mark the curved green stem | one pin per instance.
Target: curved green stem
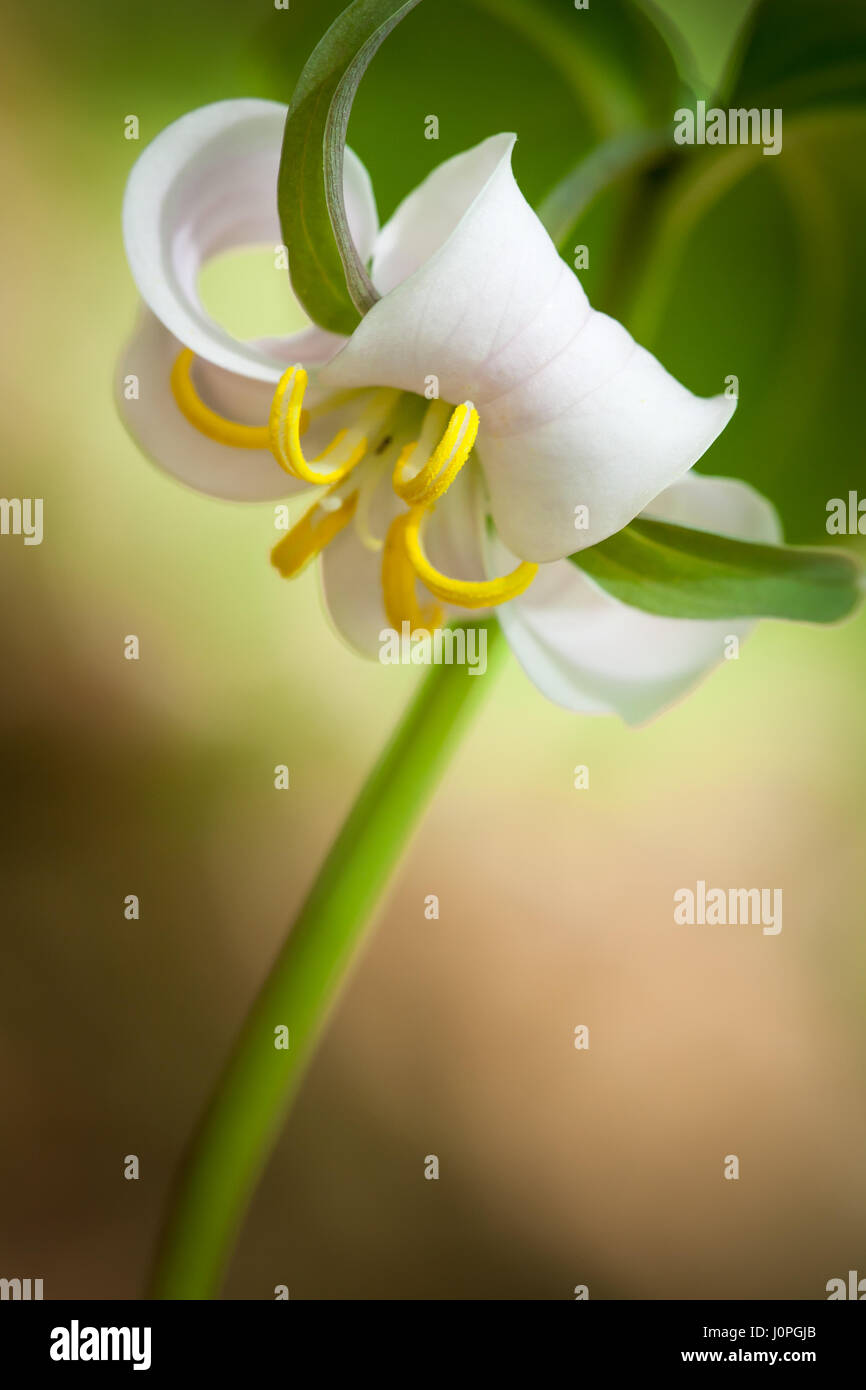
(252, 1098)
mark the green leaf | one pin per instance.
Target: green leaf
(800, 53)
(327, 274)
(676, 572)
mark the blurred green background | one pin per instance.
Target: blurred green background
(455, 1037)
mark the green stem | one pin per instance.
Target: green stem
(253, 1096)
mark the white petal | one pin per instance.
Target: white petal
(352, 576)
(166, 436)
(573, 411)
(611, 450)
(726, 506)
(432, 211)
(352, 592)
(208, 184)
(454, 533)
(593, 654)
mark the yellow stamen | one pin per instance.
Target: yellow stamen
(403, 559)
(345, 450)
(309, 536)
(207, 421)
(466, 593)
(398, 583)
(446, 460)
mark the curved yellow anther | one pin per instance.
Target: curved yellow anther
(398, 583)
(309, 536)
(345, 450)
(284, 426)
(444, 463)
(466, 593)
(207, 421)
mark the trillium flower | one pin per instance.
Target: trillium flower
(480, 425)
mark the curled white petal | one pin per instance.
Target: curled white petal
(150, 413)
(573, 411)
(426, 218)
(208, 184)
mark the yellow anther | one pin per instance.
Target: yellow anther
(398, 583)
(207, 421)
(309, 536)
(442, 466)
(345, 450)
(466, 593)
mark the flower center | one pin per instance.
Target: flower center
(350, 467)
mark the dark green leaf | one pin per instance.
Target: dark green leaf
(326, 271)
(680, 573)
(799, 53)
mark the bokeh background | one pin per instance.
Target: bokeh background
(154, 777)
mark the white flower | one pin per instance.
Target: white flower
(558, 412)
